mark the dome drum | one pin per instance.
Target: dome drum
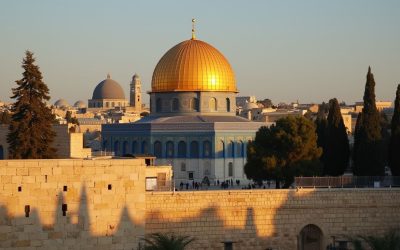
(193, 103)
(108, 94)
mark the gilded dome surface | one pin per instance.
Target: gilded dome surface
(193, 65)
(108, 89)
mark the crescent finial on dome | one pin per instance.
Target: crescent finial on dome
(193, 29)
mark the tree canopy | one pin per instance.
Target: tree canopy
(169, 241)
(284, 150)
(368, 146)
(30, 131)
(336, 150)
(394, 146)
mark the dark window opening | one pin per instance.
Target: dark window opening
(65, 188)
(64, 209)
(19, 189)
(109, 187)
(27, 210)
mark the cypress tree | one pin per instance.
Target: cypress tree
(336, 150)
(368, 160)
(394, 146)
(30, 131)
(320, 125)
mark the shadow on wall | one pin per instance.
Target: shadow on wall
(69, 231)
(272, 219)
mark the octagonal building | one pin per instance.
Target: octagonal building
(192, 124)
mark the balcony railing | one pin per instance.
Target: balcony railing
(348, 182)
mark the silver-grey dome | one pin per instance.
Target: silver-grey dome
(61, 103)
(80, 104)
(108, 89)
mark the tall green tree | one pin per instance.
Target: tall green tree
(368, 150)
(336, 150)
(394, 146)
(284, 150)
(30, 131)
(389, 241)
(320, 124)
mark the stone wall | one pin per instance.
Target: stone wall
(271, 219)
(104, 202)
(68, 145)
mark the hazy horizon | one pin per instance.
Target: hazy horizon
(286, 51)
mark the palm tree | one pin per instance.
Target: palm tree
(169, 241)
(389, 241)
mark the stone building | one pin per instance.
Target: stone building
(68, 144)
(108, 94)
(193, 124)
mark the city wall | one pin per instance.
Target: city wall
(272, 219)
(72, 204)
(102, 204)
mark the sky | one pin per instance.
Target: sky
(306, 51)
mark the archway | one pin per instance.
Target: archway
(310, 238)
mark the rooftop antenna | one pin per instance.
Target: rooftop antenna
(193, 29)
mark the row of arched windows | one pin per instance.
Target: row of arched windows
(183, 152)
(231, 150)
(193, 104)
(106, 104)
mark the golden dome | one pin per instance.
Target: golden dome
(193, 65)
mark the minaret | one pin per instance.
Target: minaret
(135, 94)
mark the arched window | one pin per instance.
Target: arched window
(124, 148)
(182, 149)
(240, 149)
(206, 149)
(105, 145)
(116, 147)
(213, 104)
(228, 105)
(231, 149)
(157, 149)
(194, 104)
(194, 149)
(134, 147)
(1, 152)
(230, 169)
(145, 148)
(175, 104)
(169, 146)
(158, 105)
(221, 149)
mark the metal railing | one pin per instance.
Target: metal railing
(348, 182)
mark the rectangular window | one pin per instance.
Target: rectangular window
(190, 175)
(183, 167)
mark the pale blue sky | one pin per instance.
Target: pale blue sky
(283, 50)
